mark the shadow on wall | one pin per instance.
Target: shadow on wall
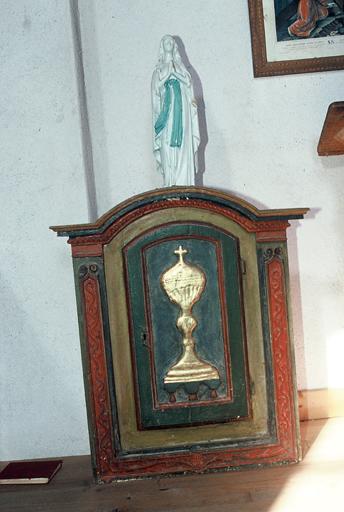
(296, 305)
(334, 290)
(198, 90)
(322, 367)
(296, 300)
(296, 297)
(94, 143)
(295, 290)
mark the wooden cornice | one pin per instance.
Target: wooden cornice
(177, 193)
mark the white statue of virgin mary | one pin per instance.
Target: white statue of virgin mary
(175, 120)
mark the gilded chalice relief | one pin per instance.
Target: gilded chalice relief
(192, 362)
(188, 326)
(184, 285)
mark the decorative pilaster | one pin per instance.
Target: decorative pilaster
(277, 308)
(94, 335)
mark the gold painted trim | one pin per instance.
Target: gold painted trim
(184, 284)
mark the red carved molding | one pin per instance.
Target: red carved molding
(281, 357)
(249, 225)
(80, 251)
(271, 236)
(98, 373)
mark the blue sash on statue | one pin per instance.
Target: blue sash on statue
(177, 124)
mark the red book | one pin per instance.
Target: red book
(30, 472)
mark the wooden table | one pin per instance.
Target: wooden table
(315, 484)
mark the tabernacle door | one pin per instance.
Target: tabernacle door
(163, 396)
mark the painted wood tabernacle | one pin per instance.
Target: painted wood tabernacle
(185, 333)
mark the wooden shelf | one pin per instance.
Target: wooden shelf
(332, 136)
(314, 484)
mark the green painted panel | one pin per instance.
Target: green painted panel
(157, 342)
(167, 340)
(82, 268)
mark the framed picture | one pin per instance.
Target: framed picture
(296, 36)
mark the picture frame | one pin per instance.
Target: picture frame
(275, 51)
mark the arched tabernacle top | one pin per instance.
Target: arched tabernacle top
(180, 196)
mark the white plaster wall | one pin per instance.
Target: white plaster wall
(262, 145)
(42, 410)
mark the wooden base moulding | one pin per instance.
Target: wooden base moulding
(315, 404)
